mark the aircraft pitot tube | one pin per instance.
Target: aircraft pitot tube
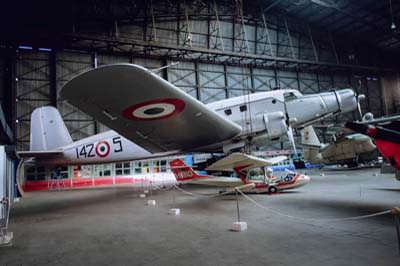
(311, 108)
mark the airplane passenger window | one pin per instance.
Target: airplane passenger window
(228, 111)
(289, 96)
(243, 108)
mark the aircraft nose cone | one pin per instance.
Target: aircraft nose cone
(347, 100)
(306, 178)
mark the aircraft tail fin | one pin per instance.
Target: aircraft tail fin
(311, 144)
(48, 130)
(310, 138)
(183, 172)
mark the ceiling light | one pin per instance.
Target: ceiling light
(393, 26)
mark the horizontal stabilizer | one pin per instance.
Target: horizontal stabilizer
(38, 154)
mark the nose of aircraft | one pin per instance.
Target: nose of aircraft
(347, 99)
(341, 100)
(305, 178)
(320, 105)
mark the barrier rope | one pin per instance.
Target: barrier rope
(201, 196)
(313, 219)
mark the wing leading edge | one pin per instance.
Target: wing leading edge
(146, 109)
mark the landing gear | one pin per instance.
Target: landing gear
(272, 189)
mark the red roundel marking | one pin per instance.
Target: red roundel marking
(102, 152)
(157, 109)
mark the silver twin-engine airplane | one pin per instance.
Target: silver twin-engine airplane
(151, 117)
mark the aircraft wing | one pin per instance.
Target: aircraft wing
(35, 154)
(146, 109)
(380, 120)
(390, 132)
(244, 161)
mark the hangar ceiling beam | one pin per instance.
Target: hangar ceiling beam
(140, 48)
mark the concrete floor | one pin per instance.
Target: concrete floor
(113, 226)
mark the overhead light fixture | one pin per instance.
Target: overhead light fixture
(392, 26)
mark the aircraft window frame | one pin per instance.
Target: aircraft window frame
(243, 108)
(228, 112)
(122, 169)
(138, 167)
(105, 170)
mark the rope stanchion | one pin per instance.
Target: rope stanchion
(237, 206)
(313, 219)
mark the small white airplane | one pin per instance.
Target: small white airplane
(249, 169)
(151, 117)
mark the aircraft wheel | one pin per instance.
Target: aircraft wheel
(272, 189)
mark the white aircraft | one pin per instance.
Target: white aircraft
(249, 169)
(150, 117)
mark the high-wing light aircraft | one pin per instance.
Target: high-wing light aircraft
(249, 169)
(150, 117)
(349, 149)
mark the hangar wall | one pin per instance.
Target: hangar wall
(314, 59)
(391, 93)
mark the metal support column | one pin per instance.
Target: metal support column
(197, 79)
(94, 65)
(226, 82)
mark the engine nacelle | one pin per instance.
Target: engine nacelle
(313, 107)
(275, 124)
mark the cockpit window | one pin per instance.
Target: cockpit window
(255, 174)
(228, 111)
(289, 96)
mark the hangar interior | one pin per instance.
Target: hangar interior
(212, 50)
(224, 49)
